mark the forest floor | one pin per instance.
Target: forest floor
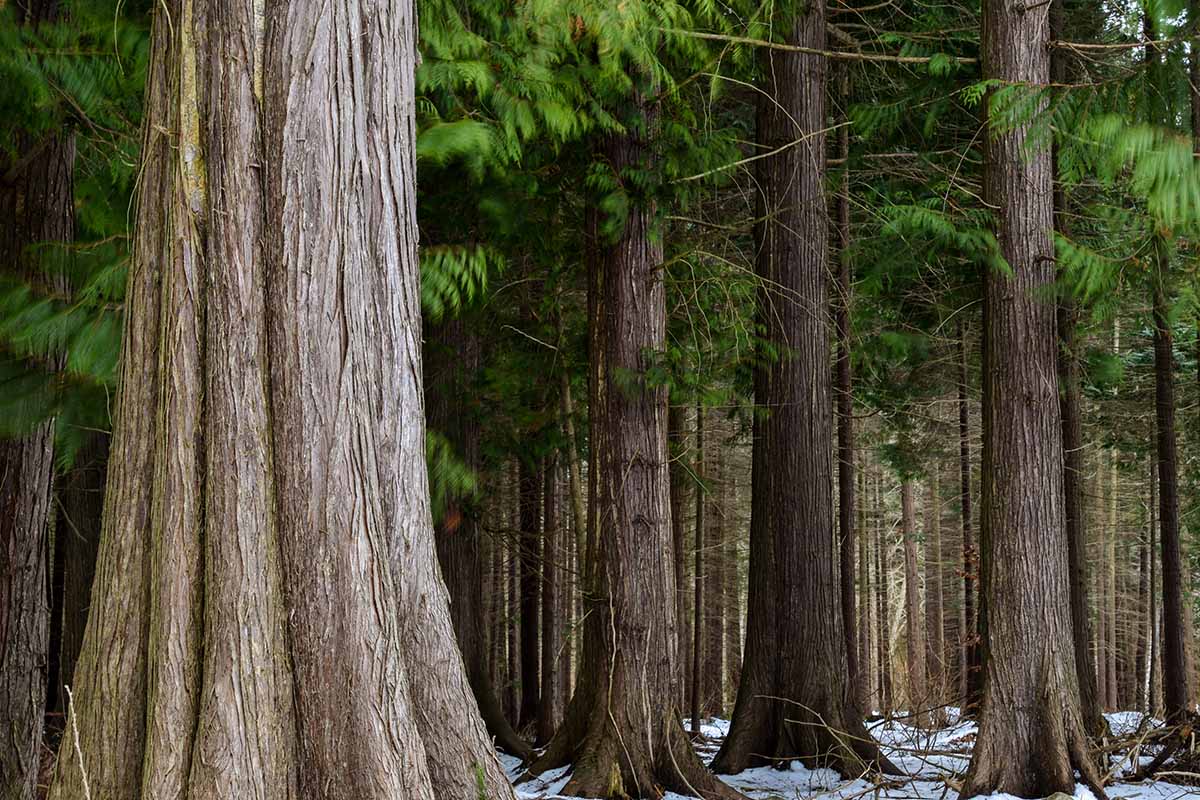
(936, 760)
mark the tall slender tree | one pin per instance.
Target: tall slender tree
(629, 679)
(805, 646)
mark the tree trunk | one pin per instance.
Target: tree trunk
(884, 604)
(531, 584)
(630, 680)
(914, 621)
(1110, 578)
(935, 625)
(512, 621)
(548, 711)
(81, 504)
(1073, 507)
(822, 723)
(37, 204)
(714, 582)
(578, 523)
(866, 656)
(1070, 403)
(1154, 693)
(845, 410)
(267, 606)
(698, 628)
(1176, 677)
(451, 360)
(968, 641)
(676, 433)
(758, 653)
(1031, 733)
(732, 594)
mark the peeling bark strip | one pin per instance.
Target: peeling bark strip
(1032, 732)
(268, 620)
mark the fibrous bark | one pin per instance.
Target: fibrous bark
(268, 619)
(1031, 735)
(629, 679)
(36, 207)
(801, 706)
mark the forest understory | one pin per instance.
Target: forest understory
(935, 760)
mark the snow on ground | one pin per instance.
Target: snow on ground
(929, 757)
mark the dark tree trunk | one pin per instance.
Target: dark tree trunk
(1070, 404)
(81, 503)
(36, 205)
(548, 709)
(755, 714)
(1031, 735)
(866, 656)
(696, 703)
(267, 604)
(1111, 700)
(1176, 677)
(883, 603)
(935, 613)
(630, 679)
(1142, 654)
(676, 433)
(1073, 472)
(451, 360)
(714, 582)
(732, 593)
(531, 584)
(822, 723)
(845, 411)
(1176, 689)
(512, 619)
(913, 620)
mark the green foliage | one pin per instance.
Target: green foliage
(451, 482)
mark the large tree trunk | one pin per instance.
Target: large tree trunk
(630, 679)
(268, 619)
(451, 360)
(914, 622)
(1031, 734)
(37, 204)
(822, 723)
